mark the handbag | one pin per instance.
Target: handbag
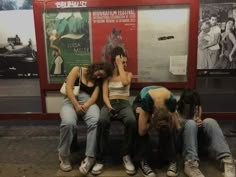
(76, 88)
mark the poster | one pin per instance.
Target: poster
(115, 27)
(18, 52)
(67, 39)
(163, 32)
(216, 38)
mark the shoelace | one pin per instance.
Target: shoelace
(172, 167)
(146, 168)
(195, 169)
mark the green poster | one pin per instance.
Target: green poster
(67, 40)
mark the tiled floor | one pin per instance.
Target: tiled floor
(30, 151)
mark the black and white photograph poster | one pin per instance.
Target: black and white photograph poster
(217, 36)
(18, 53)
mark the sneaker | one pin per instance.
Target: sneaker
(64, 163)
(97, 168)
(229, 167)
(86, 165)
(129, 166)
(172, 169)
(191, 169)
(146, 169)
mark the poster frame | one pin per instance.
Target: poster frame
(39, 7)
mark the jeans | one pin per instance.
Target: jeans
(214, 139)
(68, 126)
(126, 116)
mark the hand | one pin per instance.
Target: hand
(110, 108)
(80, 109)
(198, 121)
(119, 60)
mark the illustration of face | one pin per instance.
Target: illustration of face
(205, 27)
(229, 25)
(213, 21)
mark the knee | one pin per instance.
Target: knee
(209, 122)
(190, 125)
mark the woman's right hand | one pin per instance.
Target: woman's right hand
(79, 108)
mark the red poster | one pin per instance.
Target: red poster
(115, 27)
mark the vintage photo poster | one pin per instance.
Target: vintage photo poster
(163, 35)
(67, 39)
(217, 37)
(15, 4)
(115, 27)
(18, 53)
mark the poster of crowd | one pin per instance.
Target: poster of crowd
(217, 37)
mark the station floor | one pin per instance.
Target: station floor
(30, 150)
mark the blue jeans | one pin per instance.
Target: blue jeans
(211, 131)
(126, 116)
(68, 127)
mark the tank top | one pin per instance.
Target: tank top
(117, 89)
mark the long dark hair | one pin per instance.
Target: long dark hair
(187, 103)
(106, 67)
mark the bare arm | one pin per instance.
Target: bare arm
(92, 99)
(105, 94)
(71, 78)
(143, 124)
(175, 121)
(233, 40)
(125, 78)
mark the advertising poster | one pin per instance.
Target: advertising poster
(163, 35)
(217, 38)
(18, 52)
(67, 37)
(111, 28)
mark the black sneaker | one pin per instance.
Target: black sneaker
(172, 170)
(146, 169)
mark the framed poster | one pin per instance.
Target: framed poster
(216, 54)
(155, 34)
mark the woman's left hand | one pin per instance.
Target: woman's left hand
(119, 60)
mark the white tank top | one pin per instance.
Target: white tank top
(117, 88)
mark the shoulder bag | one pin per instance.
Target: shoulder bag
(76, 88)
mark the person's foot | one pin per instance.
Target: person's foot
(172, 169)
(97, 168)
(64, 163)
(191, 169)
(129, 166)
(146, 169)
(86, 165)
(229, 167)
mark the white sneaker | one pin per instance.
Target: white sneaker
(129, 166)
(146, 169)
(86, 165)
(191, 169)
(229, 167)
(172, 169)
(64, 163)
(97, 168)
